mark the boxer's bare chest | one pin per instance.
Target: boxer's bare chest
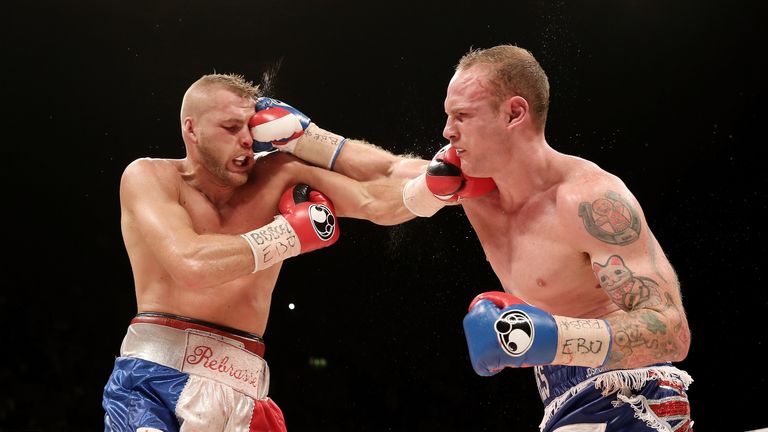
(250, 207)
(529, 252)
(241, 303)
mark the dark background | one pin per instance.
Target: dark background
(667, 95)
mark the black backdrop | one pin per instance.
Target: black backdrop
(668, 95)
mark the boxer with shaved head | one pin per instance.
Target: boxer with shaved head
(206, 236)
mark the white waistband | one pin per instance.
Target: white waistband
(200, 353)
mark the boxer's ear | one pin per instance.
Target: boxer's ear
(188, 129)
(515, 109)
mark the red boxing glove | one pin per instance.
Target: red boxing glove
(446, 181)
(311, 215)
(306, 223)
(500, 298)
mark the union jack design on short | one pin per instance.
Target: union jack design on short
(669, 411)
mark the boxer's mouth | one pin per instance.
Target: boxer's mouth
(242, 161)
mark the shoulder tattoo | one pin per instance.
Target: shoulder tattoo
(611, 219)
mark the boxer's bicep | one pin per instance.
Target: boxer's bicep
(628, 263)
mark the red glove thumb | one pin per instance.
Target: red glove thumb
(499, 298)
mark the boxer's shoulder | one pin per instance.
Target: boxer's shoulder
(585, 184)
(165, 176)
(153, 167)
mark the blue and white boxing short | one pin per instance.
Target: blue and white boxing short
(179, 374)
(580, 399)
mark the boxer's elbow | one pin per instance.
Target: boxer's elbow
(679, 336)
(190, 275)
(191, 271)
(684, 339)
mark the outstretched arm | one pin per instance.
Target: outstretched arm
(364, 161)
(281, 126)
(430, 186)
(379, 200)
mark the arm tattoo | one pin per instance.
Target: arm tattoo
(628, 291)
(611, 219)
(642, 337)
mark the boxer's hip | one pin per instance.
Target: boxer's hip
(227, 356)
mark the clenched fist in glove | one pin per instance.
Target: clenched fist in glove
(306, 222)
(443, 183)
(504, 331)
(281, 126)
(447, 182)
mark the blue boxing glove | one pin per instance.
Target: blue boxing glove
(277, 125)
(504, 331)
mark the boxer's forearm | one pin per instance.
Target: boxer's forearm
(208, 260)
(379, 201)
(281, 126)
(645, 336)
(385, 204)
(363, 161)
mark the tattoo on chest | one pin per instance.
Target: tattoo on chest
(611, 219)
(627, 290)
